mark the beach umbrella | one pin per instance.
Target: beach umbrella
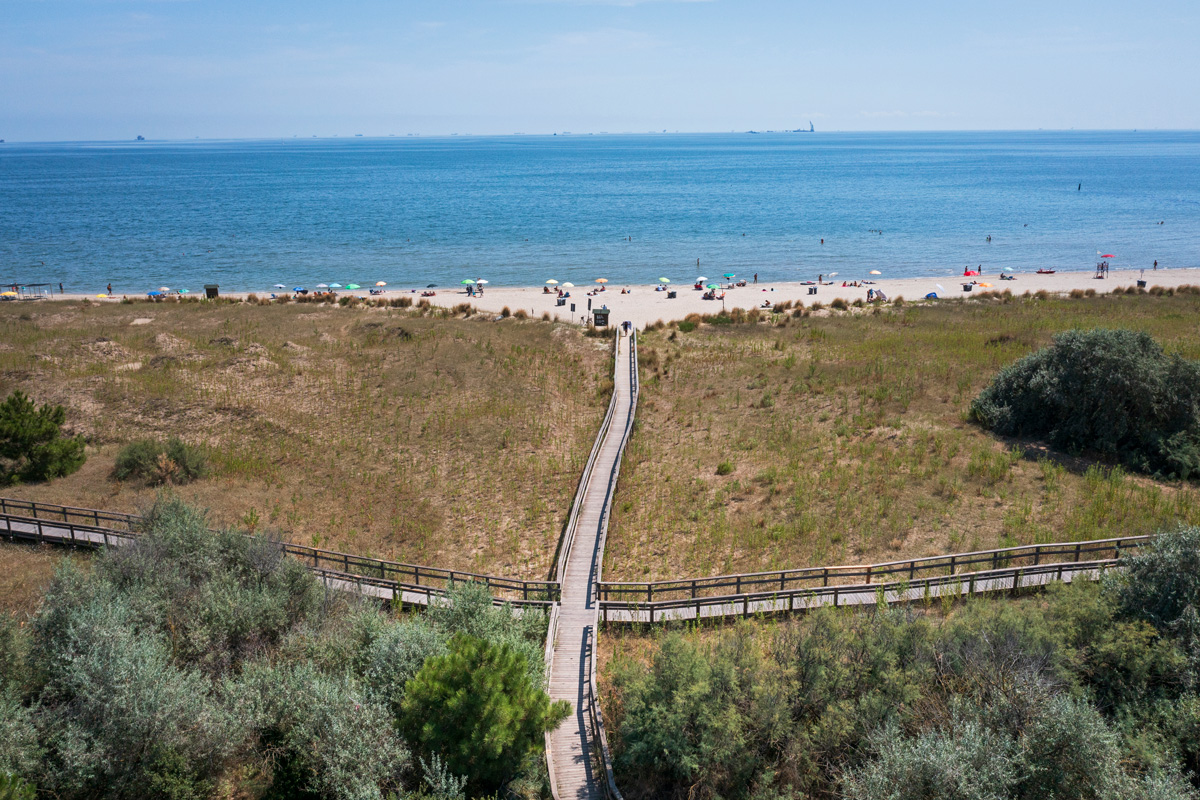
(353, 286)
(730, 275)
(664, 280)
(713, 286)
(467, 281)
(280, 286)
(164, 288)
(154, 293)
(601, 280)
(322, 285)
(183, 291)
(1007, 269)
(11, 293)
(876, 272)
(701, 279)
(431, 286)
(833, 275)
(99, 295)
(298, 289)
(481, 280)
(552, 282)
(380, 283)
(568, 285)
(1108, 255)
(335, 286)
(940, 288)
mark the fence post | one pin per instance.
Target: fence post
(868, 574)
(912, 568)
(825, 577)
(1077, 548)
(649, 592)
(971, 584)
(1037, 555)
(694, 589)
(952, 560)
(835, 596)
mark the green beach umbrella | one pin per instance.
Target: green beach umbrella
(664, 280)
(713, 286)
(353, 286)
(466, 281)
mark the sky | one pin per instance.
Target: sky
(179, 69)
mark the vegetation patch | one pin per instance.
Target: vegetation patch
(173, 462)
(1112, 392)
(32, 444)
(1089, 690)
(852, 436)
(194, 664)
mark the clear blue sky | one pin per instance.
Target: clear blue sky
(112, 69)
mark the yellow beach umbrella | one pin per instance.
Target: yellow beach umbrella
(601, 280)
(380, 283)
(876, 272)
(8, 294)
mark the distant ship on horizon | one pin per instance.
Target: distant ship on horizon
(811, 129)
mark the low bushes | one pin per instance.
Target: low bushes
(171, 462)
(32, 445)
(1113, 392)
(193, 664)
(1092, 690)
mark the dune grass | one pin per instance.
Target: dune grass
(421, 435)
(27, 572)
(842, 438)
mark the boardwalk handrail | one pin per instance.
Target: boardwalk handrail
(568, 537)
(426, 580)
(1007, 579)
(596, 717)
(599, 734)
(812, 577)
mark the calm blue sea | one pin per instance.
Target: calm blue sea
(520, 210)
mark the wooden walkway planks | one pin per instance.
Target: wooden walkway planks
(570, 747)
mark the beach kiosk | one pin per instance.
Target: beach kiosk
(600, 315)
(210, 291)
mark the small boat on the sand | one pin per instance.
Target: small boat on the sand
(1045, 272)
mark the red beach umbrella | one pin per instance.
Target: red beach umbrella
(1108, 255)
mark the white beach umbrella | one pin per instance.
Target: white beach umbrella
(701, 279)
(552, 282)
(568, 285)
(280, 286)
(322, 285)
(481, 280)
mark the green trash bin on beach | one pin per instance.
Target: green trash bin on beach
(210, 291)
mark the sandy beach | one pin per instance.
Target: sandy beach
(643, 304)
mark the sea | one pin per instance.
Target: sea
(414, 211)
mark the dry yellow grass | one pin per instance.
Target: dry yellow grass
(25, 572)
(430, 439)
(842, 439)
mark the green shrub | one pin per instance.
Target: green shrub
(1114, 392)
(172, 462)
(967, 762)
(13, 788)
(477, 707)
(687, 326)
(725, 468)
(324, 737)
(32, 447)
(19, 748)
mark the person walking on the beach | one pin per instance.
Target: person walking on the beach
(110, 290)
(1156, 264)
(756, 277)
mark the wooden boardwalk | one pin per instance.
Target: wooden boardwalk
(570, 752)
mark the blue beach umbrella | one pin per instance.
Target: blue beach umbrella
(154, 293)
(298, 289)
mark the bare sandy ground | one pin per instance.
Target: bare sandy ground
(643, 304)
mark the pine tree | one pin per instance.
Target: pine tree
(32, 447)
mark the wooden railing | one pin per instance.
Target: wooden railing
(568, 538)
(53, 523)
(608, 783)
(1008, 579)
(811, 578)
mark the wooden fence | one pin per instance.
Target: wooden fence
(1008, 579)
(813, 578)
(56, 524)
